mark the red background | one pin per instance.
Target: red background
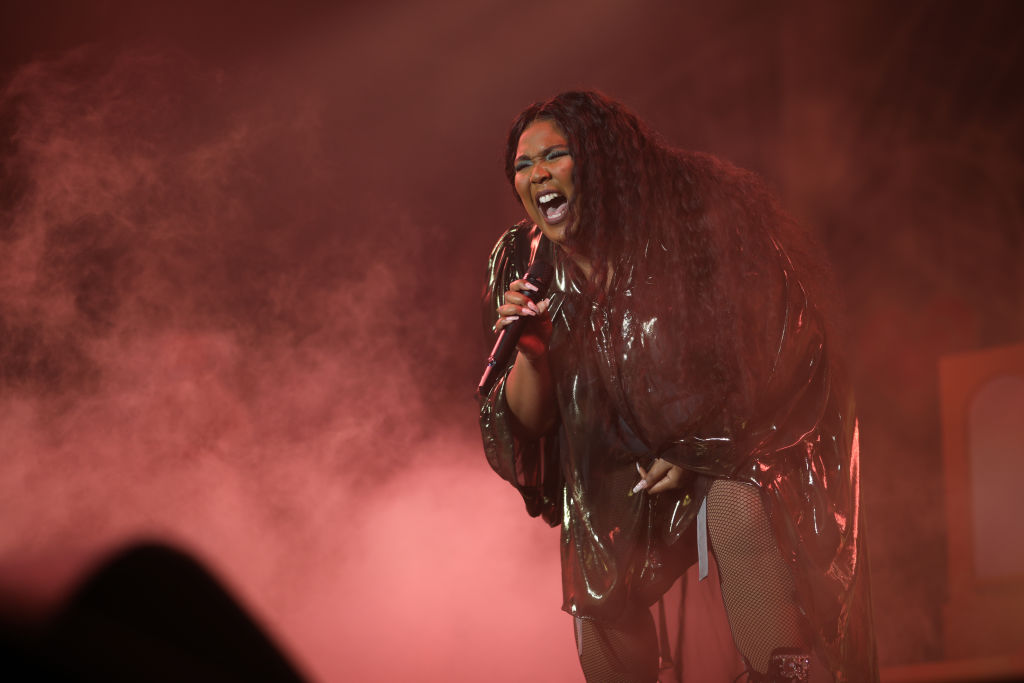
(242, 248)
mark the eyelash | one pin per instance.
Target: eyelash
(552, 155)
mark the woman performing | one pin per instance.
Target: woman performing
(676, 390)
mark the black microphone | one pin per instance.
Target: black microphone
(539, 275)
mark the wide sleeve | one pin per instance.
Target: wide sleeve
(531, 465)
(779, 379)
(806, 459)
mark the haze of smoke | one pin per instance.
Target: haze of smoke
(914, 179)
(200, 338)
(199, 349)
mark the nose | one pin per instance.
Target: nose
(539, 173)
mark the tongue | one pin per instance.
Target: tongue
(554, 214)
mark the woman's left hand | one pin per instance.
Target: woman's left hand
(662, 476)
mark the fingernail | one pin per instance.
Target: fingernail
(640, 487)
(639, 470)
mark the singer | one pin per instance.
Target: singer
(676, 392)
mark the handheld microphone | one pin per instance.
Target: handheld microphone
(539, 275)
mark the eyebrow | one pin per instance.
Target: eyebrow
(544, 151)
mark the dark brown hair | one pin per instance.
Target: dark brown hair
(706, 234)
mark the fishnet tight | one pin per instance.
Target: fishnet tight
(623, 652)
(757, 587)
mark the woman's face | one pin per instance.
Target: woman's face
(543, 178)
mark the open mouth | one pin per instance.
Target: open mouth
(554, 206)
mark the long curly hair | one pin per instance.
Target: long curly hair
(707, 234)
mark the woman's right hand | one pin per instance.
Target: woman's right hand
(533, 343)
(529, 389)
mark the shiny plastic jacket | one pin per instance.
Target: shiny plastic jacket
(623, 400)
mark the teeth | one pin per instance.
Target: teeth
(547, 198)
